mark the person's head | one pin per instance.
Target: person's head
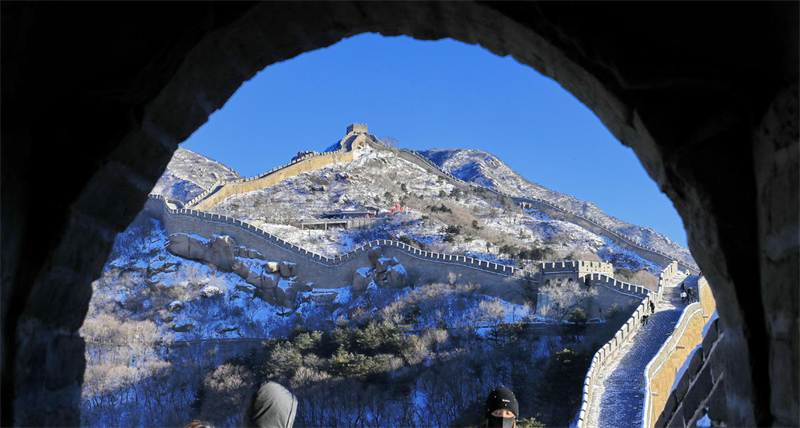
(197, 423)
(502, 408)
(269, 405)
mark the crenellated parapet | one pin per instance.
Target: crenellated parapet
(310, 161)
(668, 272)
(654, 255)
(604, 354)
(601, 280)
(680, 379)
(157, 207)
(357, 136)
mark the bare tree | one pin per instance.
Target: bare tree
(559, 299)
(388, 141)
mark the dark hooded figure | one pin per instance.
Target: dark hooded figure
(502, 408)
(269, 405)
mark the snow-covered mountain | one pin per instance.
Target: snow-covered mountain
(438, 215)
(188, 174)
(482, 168)
(183, 329)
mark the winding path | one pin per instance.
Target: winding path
(618, 396)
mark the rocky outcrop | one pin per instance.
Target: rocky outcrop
(183, 328)
(361, 279)
(384, 272)
(271, 281)
(218, 251)
(288, 269)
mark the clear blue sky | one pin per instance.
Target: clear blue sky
(435, 94)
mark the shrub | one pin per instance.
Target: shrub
(578, 316)
(622, 273)
(305, 342)
(224, 390)
(442, 208)
(530, 423)
(646, 279)
(284, 359)
(584, 255)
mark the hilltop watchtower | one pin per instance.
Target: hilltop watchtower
(357, 128)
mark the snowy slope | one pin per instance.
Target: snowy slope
(378, 179)
(188, 174)
(485, 169)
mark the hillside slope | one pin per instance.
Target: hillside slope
(188, 174)
(437, 215)
(482, 168)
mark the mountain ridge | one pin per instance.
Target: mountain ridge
(471, 166)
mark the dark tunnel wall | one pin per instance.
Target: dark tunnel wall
(93, 109)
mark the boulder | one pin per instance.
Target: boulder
(226, 329)
(396, 277)
(374, 254)
(288, 269)
(253, 254)
(175, 306)
(382, 264)
(221, 249)
(240, 268)
(361, 279)
(268, 281)
(247, 288)
(183, 328)
(188, 246)
(253, 278)
(210, 290)
(282, 298)
(271, 267)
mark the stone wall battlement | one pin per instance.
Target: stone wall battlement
(668, 273)
(577, 266)
(156, 207)
(602, 356)
(650, 253)
(617, 285)
(692, 338)
(313, 161)
(203, 200)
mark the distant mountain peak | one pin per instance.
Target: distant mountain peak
(188, 174)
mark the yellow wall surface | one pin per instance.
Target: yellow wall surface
(689, 333)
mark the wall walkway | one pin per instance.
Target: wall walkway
(693, 338)
(613, 388)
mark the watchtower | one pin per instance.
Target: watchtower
(357, 128)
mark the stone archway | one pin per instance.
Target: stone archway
(710, 110)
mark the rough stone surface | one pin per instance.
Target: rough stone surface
(221, 249)
(175, 306)
(288, 269)
(361, 280)
(686, 99)
(373, 255)
(183, 328)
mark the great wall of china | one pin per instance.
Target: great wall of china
(671, 396)
(663, 404)
(357, 135)
(422, 266)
